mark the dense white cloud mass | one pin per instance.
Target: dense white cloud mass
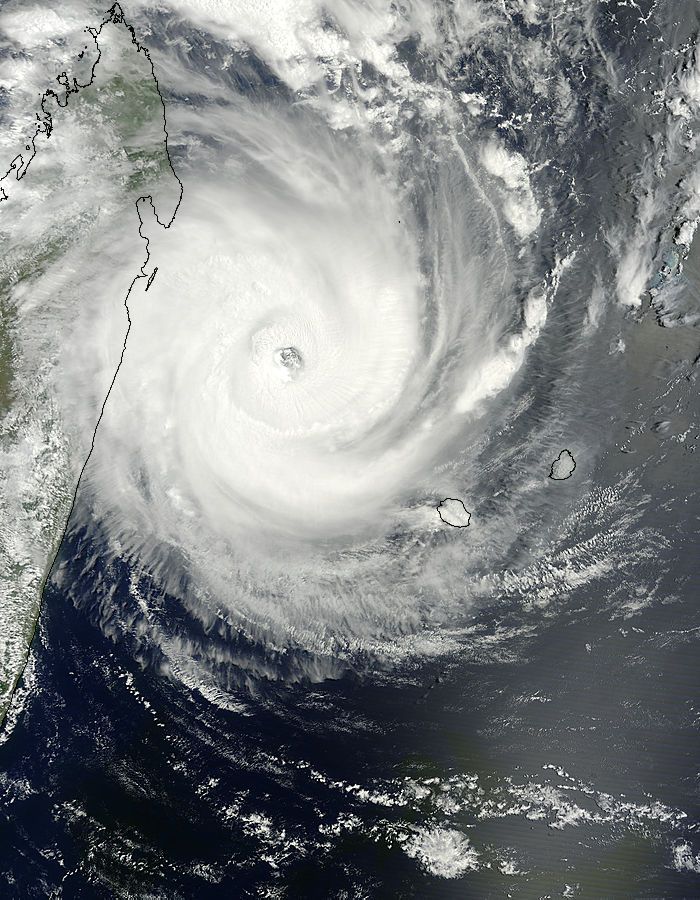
(371, 298)
(375, 255)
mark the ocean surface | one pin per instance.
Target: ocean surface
(277, 282)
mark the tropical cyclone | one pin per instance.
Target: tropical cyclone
(351, 318)
(291, 383)
(343, 313)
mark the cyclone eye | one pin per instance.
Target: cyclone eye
(289, 360)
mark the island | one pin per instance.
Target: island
(453, 512)
(563, 466)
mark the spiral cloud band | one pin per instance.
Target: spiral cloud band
(321, 337)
